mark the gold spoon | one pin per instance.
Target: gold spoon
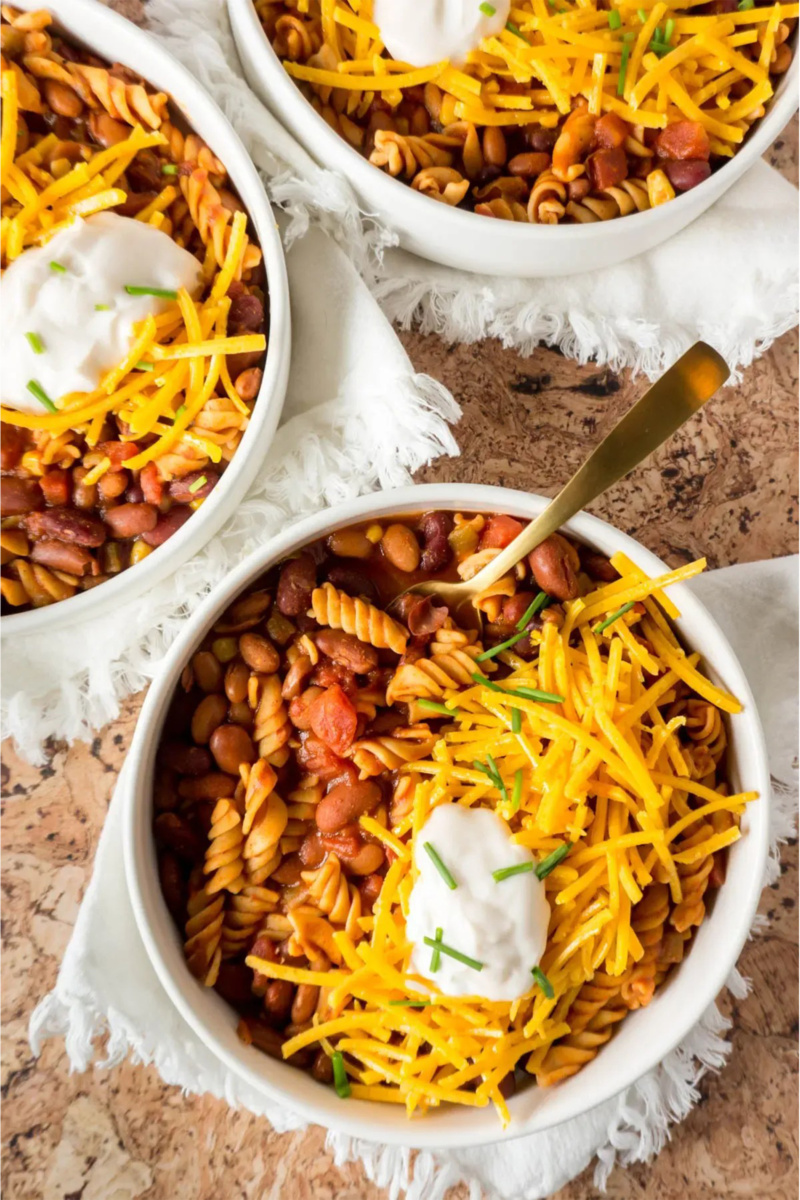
(675, 397)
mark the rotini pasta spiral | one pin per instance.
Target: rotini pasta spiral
(272, 727)
(202, 947)
(333, 607)
(224, 862)
(333, 896)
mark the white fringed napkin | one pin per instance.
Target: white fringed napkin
(106, 984)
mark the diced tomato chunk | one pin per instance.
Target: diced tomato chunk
(607, 168)
(334, 719)
(152, 484)
(610, 131)
(318, 760)
(683, 139)
(56, 486)
(118, 452)
(499, 532)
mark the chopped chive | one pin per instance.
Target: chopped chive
(628, 37)
(623, 68)
(488, 10)
(495, 650)
(493, 774)
(481, 679)
(101, 308)
(169, 169)
(451, 953)
(539, 602)
(57, 266)
(180, 411)
(537, 694)
(340, 1080)
(641, 14)
(614, 617)
(744, 5)
(143, 366)
(659, 48)
(614, 19)
(41, 395)
(516, 720)
(657, 34)
(548, 864)
(440, 867)
(507, 872)
(436, 957)
(409, 1003)
(35, 342)
(434, 706)
(198, 483)
(511, 27)
(134, 289)
(497, 776)
(543, 982)
(669, 29)
(516, 795)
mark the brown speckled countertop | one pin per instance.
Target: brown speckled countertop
(726, 488)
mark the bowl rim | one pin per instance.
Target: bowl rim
(362, 1118)
(89, 23)
(334, 152)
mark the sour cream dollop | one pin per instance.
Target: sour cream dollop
(78, 340)
(429, 32)
(502, 925)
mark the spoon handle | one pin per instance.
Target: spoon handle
(677, 395)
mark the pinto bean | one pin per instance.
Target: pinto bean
(495, 150)
(296, 676)
(209, 714)
(263, 947)
(289, 871)
(113, 484)
(346, 648)
(554, 564)
(278, 1000)
(106, 130)
(186, 489)
(83, 495)
(186, 760)
(248, 382)
(370, 889)
(60, 556)
(304, 1003)
(19, 496)
(529, 164)
(207, 671)
(346, 802)
(231, 745)
(350, 543)
(400, 546)
(240, 713)
(167, 524)
(131, 520)
(436, 553)
(312, 851)
(12, 447)
(297, 580)
(213, 786)
(237, 678)
(367, 861)
(259, 653)
(62, 99)
(322, 1068)
(67, 525)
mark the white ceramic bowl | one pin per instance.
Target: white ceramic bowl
(458, 238)
(643, 1038)
(117, 40)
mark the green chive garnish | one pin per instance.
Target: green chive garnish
(436, 957)
(488, 10)
(614, 617)
(101, 308)
(198, 483)
(511, 27)
(544, 868)
(492, 772)
(57, 266)
(481, 679)
(614, 19)
(745, 5)
(539, 602)
(495, 650)
(516, 720)
(641, 14)
(628, 37)
(507, 872)
(143, 366)
(180, 411)
(409, 1003)
(623, 68)
(668, 32)
(340, 1080)
(434, 706)
(41, 395)
(543, 982)
(165, 293)
(440, 867)
(451, 953)
(516, 795)
(169, 169)
(35, 342)
(537, 694)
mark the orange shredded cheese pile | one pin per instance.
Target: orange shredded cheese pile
(602, 771)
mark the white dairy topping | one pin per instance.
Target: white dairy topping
(421, 33)
(503, 925)
(101, 255)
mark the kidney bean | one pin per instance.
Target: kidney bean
(262, 947)
(113, 484)
(135, 494)
(400, 546)
(19, 496)
(578, 189)
(436, 553)
(334, 719)
(514, 608)
(106, 130)
(345, 648)
(131, 520)
(67, 525)
(782, 61)
(346, 802)
(231, 745)
(312, 851)
(186, 760)
(350, 543)
(175, 832)
(259, 653)
(304, 1003)
(687, 173)
(554, 563)
(540, 139)
(352, 579)
(55, 486)
(529, 164)
(246, 313)
(278, 1000)
(260, 1035)
(297, 580)
(322, 1068)
(63, 557)
(209, 714)
(167, 524)
(173, 885)
(12, 447)
(370, 889)
(233, 983)
(597, 566)
(181, 489)
(62, 99)
(207, 671)
(247, 383)
(288, 873)
(213, 786)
